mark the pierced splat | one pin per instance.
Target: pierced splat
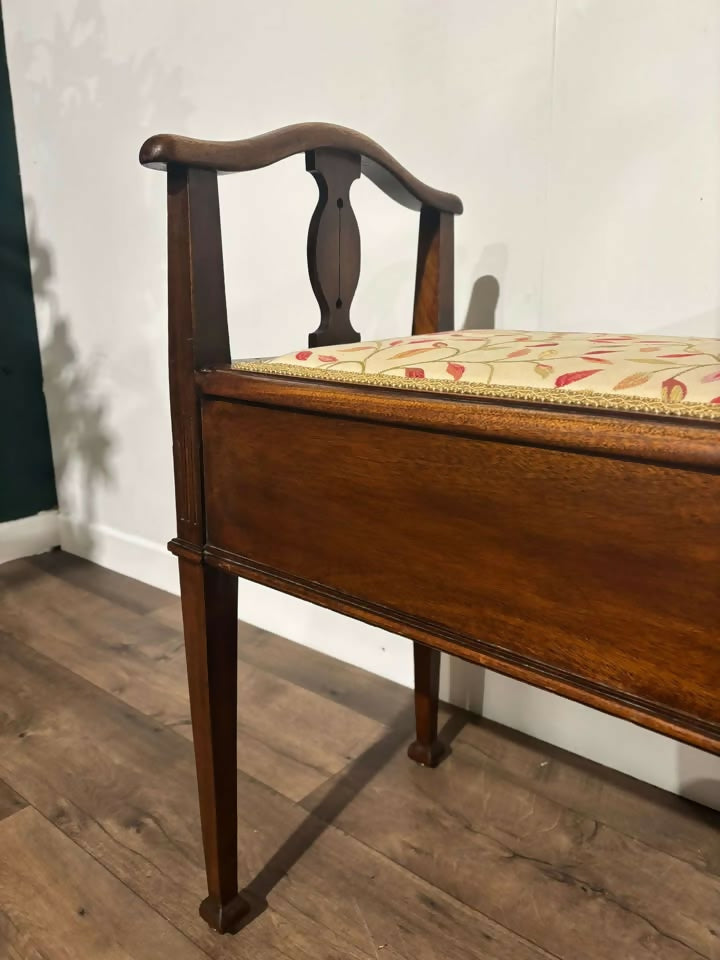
(333, 248)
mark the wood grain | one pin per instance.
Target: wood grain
(448, 825)
(143, 828)
(120, 592)
(433, 308)
(677, 441)
(572, 549)
(234, 156)
(197, 321)
(668, 823)
(333, 246)
(10, 802)
(662, 820)
(209, 604)
(582, 860)
(365, 694)
(510, 527)
(288, 736)
(66, 614)
(659, 819)
(61, 904)
(426, 749)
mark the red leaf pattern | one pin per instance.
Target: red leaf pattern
(630, 368)
(410, 353)
(564, 379)
(519, 353)
(673, 390)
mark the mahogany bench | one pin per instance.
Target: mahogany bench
(544, 504)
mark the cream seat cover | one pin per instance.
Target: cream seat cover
(643, 373)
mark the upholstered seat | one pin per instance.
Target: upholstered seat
(643, 373)
(573, 547)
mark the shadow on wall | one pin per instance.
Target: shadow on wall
(697, 774)
(104, 357)
(463, 683)
(483, 303)
(482, 309)
(81, 439)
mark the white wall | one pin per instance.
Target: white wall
(583, 136)
(29, 535)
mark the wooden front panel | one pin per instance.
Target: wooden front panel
(601, 570)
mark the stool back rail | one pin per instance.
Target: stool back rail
(576, 550)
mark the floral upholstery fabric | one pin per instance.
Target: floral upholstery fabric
(645, 373)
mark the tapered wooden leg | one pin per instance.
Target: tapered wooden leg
(209, 605)
(426, 749)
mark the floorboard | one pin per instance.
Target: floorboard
(659, 819)
(10, 802)
(539, 859)
(61, 904)
(512, 849)
(122, 787)
(288, 736)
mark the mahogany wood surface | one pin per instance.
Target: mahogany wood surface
(209, 605)
(511, 850)
(624, 436)
(432, 312)
(573, 549)
(434, 281)
(592, 572)
(165, 149)
(333, 247)
(196, 288)
(426, 749)
(198, 336)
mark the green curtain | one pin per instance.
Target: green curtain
(27, 482)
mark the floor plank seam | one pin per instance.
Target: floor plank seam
(105, 866)
(327, 824)
(424, 882)
(518, 782)
(458, 899)
(639, 878)
(112, 873)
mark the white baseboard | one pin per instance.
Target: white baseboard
(29, 535)
(607, 740)
(122, 552)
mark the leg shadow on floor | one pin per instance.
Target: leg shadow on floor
(353, 779)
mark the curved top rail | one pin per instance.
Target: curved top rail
(232, 156)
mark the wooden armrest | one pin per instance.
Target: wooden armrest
(239, 155)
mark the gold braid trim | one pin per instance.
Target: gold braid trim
(568, 398)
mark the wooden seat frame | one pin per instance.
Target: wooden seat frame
(576, 550)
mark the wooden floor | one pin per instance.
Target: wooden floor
(510, 850)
